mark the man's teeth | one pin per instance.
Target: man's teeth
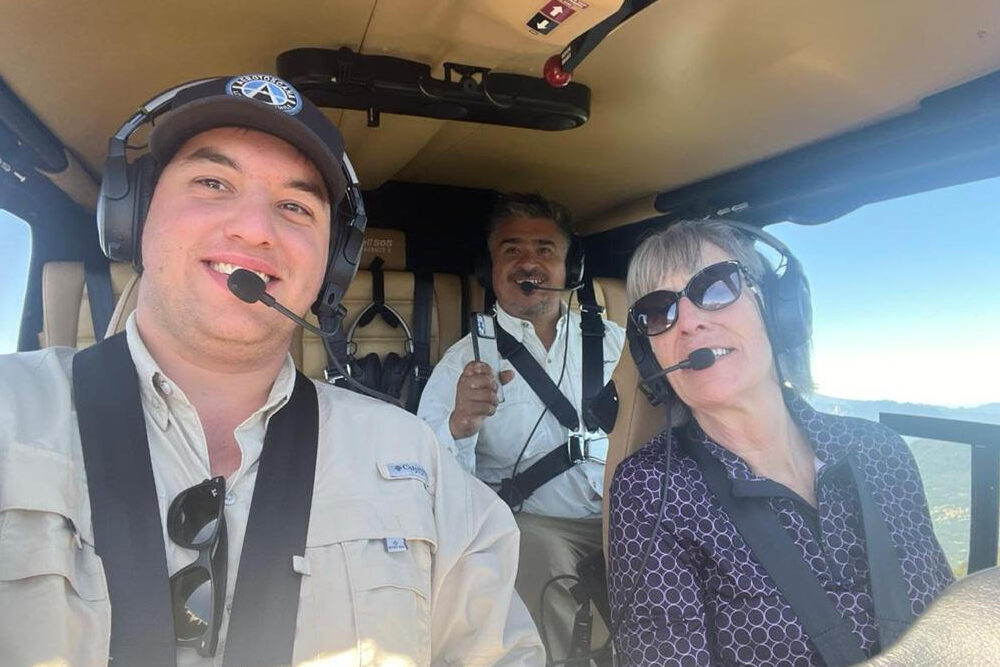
(228, 269)
(533, 281)
(721, 351)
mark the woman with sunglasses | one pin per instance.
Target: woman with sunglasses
(754, 530)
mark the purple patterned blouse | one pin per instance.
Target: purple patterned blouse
(703, 598)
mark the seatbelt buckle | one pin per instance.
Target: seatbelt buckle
(576, 448)
(587, 446)
(336, 377)
(591, 322)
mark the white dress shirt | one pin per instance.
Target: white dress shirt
(491, 453)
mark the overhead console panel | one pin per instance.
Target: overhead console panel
(345, 79)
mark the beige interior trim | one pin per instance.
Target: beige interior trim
(126, 304)
(683, 91)
(634, 211)
(76, 182)
(62, 294)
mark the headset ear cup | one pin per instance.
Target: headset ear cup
(787, 308)
(484, 270)
(647, 365)
(368, 371)
(142, 181)
(126, 190)
(574, 261)
(394, 371)
(795, 314)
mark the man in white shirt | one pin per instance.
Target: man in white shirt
(529, 240)
(403, 558)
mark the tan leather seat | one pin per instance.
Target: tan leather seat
(66, 318)
(377, 336)
(638, 422)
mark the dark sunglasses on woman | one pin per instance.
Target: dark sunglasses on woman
(713, 288)
(196, 521)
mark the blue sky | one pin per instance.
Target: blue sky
(15, 249)
(906, 296)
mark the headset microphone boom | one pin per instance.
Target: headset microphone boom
(249, 287)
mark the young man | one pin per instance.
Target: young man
(406, 557)
(529, 239)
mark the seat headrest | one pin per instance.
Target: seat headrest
(388, 244)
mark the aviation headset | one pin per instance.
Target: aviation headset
(127, 188)
(389, 375)
(785, 306)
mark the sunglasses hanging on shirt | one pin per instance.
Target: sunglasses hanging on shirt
(196, 520)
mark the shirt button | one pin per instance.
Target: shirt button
(230, 498)
(162, 385)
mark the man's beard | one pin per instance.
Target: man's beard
(534, 308)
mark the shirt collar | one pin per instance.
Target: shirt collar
(159, 392)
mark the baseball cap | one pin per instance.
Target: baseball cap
(261, 102)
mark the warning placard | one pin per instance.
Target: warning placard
(542, 24)
(556, 11)
(553, 13)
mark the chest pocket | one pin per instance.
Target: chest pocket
(369, 584)
(53, 593)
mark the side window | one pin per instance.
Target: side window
(15, 242)
(906, 320)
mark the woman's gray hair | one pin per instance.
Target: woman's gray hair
(679, 246)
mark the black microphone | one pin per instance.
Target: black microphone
(528, 288)
(249, 287)
(698, 360)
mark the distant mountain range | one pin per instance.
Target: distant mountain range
(988, 413)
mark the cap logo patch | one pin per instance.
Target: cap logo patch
(267, 89)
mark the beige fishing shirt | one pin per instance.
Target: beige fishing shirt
(445, 596)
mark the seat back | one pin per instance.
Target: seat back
(377, 336)
(637, 423)
(66, 318)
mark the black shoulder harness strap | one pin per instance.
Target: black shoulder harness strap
(97, 275)
(129, 534)
(266, 599)
(592, 328)
(536, 377)
(828, 630)
(423, 302)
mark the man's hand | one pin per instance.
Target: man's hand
(475, 398)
